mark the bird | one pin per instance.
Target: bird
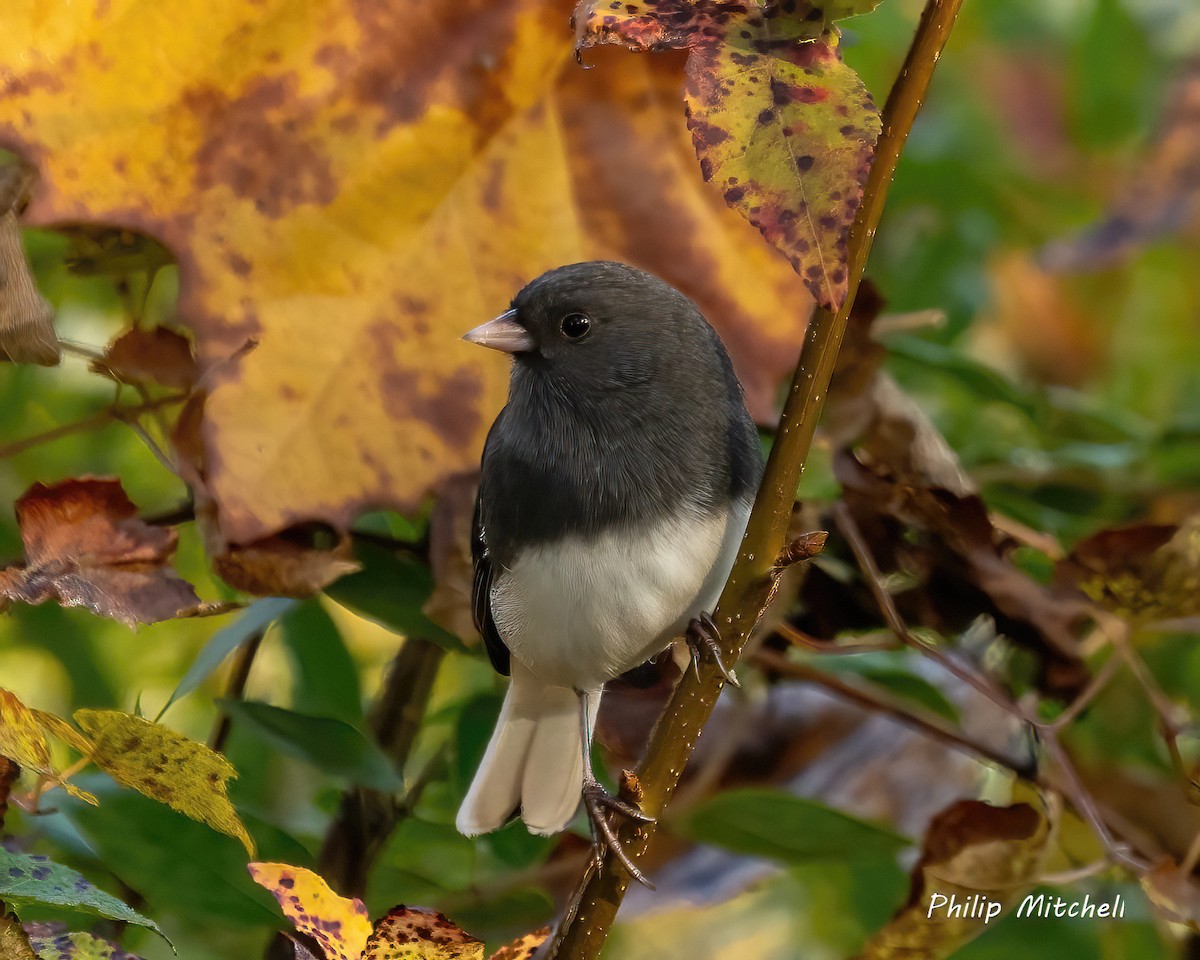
(615, 487)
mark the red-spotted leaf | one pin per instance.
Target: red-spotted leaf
(412, 933)
(782, 127)
(338, 924)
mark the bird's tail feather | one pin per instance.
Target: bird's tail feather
(534, 760)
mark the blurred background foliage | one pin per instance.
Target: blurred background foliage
(1071, 396)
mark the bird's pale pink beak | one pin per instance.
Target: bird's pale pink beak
(503, 333)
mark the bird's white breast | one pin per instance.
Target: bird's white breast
(580, 612)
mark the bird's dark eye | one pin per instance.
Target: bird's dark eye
(575, 326)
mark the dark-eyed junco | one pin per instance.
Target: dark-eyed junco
(615, 489)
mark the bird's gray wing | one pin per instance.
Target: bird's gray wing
(481, 597)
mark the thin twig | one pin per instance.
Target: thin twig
(1089, 693)
(1072, 787)
(891, 615)
(593, 909)
(877, 701)
(1074, 790)
(1164, 709)
(1191, 858)
(118, 413)
(839, 647)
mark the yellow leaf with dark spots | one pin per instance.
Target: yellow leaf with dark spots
(166, 766)
(522, 948)
(338, 924)
(413, 933)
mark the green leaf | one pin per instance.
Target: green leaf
(254, 619)
(390, 589)
(1113, 77)
(779, 826)
(179, 865)
(26, 880)
(984, 382)
(326, 677)
(905, 685)
(328, 744)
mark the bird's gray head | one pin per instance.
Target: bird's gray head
(602, 326)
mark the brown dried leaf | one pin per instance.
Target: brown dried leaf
(1175, 893)
(26, 318)
(281, 567)
(85, 546)
(957, 555)
(1149, 572)
(449, 606)
(150, 356)
(982, 856)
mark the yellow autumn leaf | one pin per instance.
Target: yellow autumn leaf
(338, 924)
(58, 728)
(522, 948)
(23, 740)
(14, 944)
(166, 766)
(21, 736)
(413, 933)
(349, 185)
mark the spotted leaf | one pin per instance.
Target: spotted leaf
(338, 924)
(53, 943)
(411, 933)
(27, 880)
(166, 766)
(783, 128)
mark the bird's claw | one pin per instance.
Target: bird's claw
(598, 802)
(703, 636)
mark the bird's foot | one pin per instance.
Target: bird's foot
(703, 636)
(598, 802)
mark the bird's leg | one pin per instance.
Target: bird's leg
(702, 637)
(597, 802)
